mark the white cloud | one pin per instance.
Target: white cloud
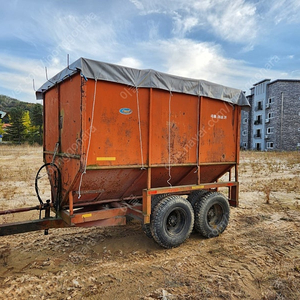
(236, 21)
(153, 28)
(295, 73)
(77, 35)
(182, 57)
(20, 86)
(183, 25)
(206, 61)
(130, 62)
(170, 40)
(248, 48)
(232, 20)
(20, 72)
(283, 11)
(138, 4)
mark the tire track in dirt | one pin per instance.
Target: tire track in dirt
(257, 257)
(233, 266)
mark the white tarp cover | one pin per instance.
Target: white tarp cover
(92, 69)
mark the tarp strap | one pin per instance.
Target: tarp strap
(169, 140)
(198, 134)
(89, 142)
(140, 126)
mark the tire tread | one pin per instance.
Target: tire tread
(154, 201)
(200, 215)
(155, 223)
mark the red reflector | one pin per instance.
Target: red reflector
(152, 193)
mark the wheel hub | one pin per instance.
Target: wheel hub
(172, 221)
(211, 214)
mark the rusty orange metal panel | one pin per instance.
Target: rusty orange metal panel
(70, 116)
(218, 140)
(98, 215)
(111, 184)
(51, 119)
(211, 173)
(174, 114)
(63, 126)
(118, 111)
(116, 221)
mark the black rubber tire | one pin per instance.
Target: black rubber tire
(196, 196)
(172, 221)
(212, 214)
(147, 230)
(155, 199)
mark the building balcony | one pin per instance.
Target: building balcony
(257, 136)
(259, 107)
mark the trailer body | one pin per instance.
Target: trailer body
(120, 136)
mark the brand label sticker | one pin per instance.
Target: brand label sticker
(125, 111)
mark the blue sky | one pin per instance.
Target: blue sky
(231, 42)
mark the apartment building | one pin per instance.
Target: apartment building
(273, 121)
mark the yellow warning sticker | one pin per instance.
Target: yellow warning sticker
(198, 187)
(86, 216)
(106, 158)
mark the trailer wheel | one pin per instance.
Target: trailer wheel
(196, 196)
(172, 221)
(212, 214)
(155, 199)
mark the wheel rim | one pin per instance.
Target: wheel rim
(214, 215)
(175, 221)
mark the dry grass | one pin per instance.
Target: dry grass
(270, 172)
(18, 167)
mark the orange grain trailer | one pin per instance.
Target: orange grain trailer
(125, 142)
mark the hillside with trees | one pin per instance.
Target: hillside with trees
(25, 121)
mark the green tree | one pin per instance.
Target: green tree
(1, 129)
(16, 131)
(30, 130)
(36, 116)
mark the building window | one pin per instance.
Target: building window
(258, 146)
(270, 145)
(270, 115)
(298, 145)
(270, 101)
(245, 121)
(258, 120)
(257, 134)
(244, 132)
(259, 106)
(270, 130)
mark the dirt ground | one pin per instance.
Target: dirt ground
(257, 257)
